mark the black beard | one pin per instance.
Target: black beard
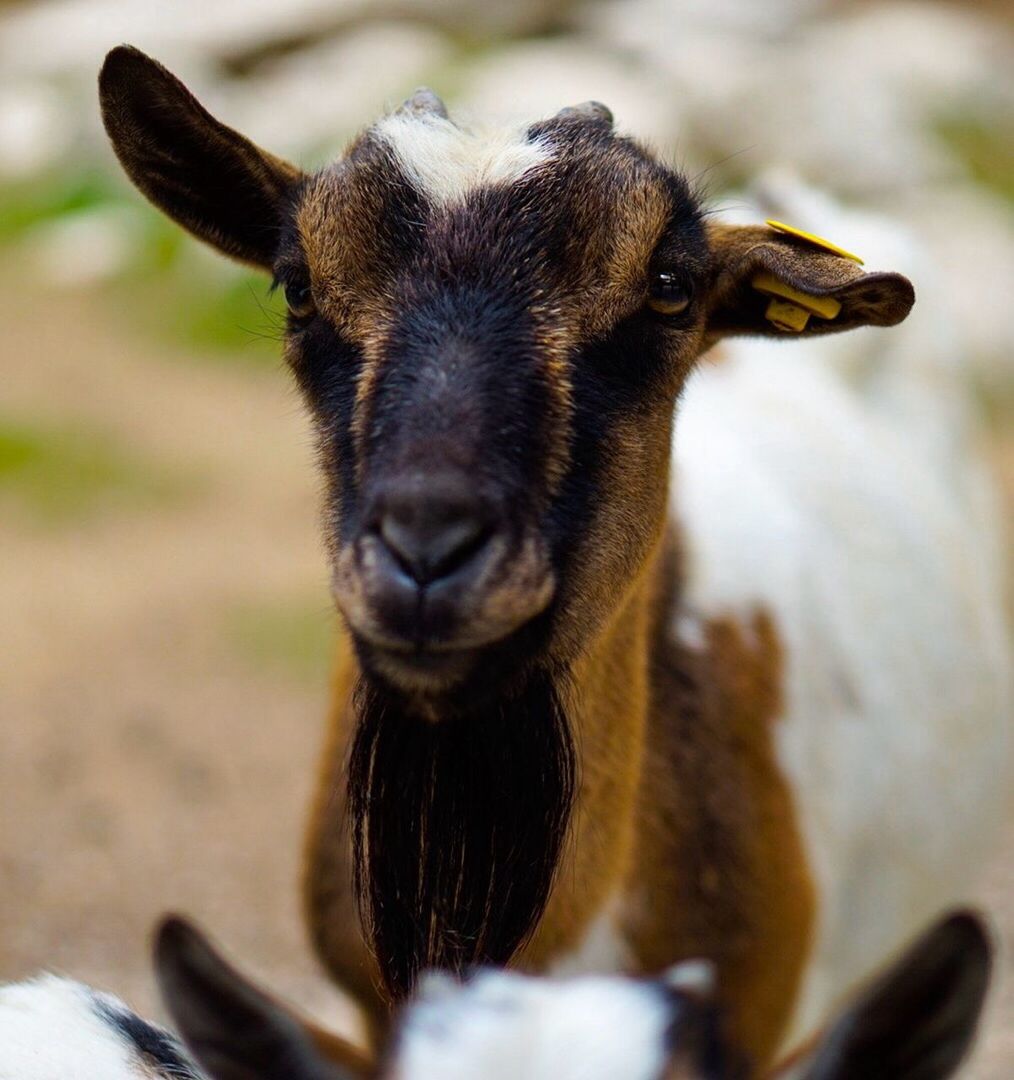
(457, 825)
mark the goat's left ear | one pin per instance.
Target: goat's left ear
(771, 282)
(205, 176)
(919, 1019)
(234, 1030)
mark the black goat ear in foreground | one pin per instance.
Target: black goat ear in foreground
(234, 1030)
(205, 176)
(918, 1020)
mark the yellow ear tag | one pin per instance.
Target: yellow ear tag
(817, 241)
(789, 308)
(785, 316)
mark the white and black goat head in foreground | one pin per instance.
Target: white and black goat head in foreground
(915, 1022)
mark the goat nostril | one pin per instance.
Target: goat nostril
(429, 548)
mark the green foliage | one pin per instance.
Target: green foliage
(985, 146)
(29, 203)
(227, 316)
(294, 636)
(168, 287)
(62, 475)
(178, 291)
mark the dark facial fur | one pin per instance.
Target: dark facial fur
(502, 336)
(457, 827)
(158, 1052)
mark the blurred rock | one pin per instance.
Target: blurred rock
(76, 32)
(34, 129)
(849, 98)
(316, 98)
(877, 101)
(85, 247)
(529, 80)
(971, 233)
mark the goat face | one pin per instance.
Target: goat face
(490, 333)
(492, 390)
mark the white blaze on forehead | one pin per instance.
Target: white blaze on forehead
(446, 162)
(504, 1025)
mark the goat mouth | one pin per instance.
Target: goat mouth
(428, 671)
(424, 642)
(442, 677)
(443, 669)
(433, 633)
(423, 665)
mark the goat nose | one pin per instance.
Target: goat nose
(432, 527)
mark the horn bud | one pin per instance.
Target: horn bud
(588, 110)
(424, 102)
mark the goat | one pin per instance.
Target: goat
(916, 1020)
(604, 701)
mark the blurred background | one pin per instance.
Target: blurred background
(164, 619)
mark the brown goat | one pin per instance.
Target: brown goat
(587, 713)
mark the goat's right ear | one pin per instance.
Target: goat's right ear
(234, 1030)
(919, 1019)
(205, 176)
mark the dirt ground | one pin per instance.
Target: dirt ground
(159, 726)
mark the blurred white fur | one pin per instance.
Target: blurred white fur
(504, 1026)
(836, 484)
(53, 1028)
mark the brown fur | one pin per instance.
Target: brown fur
(608, 711)
(329, 906)
(722, 871)
(710, 863)
(338, 1051)
(609, 702)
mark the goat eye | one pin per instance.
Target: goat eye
(299, 299)
(669, 294)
